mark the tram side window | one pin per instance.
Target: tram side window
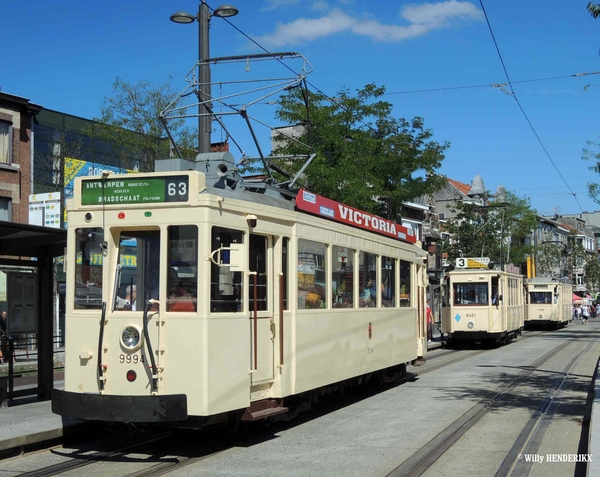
(367, 286)
(388, 282)
(342, 269)
(311, 274)
(471, 294)
(258, 264)
(137, 280)
(226, 286)
(182, 279)
(88, 268)
(405, 285)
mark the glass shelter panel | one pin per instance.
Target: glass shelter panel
(226, 286)
(342, 277)
(88, 268)
(182, 257)
(311, 274)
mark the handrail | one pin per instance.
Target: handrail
(101, 377)
(149, 304)
(255, 320)
(281, 305)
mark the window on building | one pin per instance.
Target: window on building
(5, 209)
(5, 142)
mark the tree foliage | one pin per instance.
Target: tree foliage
(497, 230)
(594, 9)
(594, 158)
(130, 122)
(554, 258)
(362, 152)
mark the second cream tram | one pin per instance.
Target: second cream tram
(483, 305)
(548, 302)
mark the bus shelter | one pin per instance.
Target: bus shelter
(31, 249)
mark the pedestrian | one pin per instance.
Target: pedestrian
(3, 337)
(579, 311)
(429, 322)
(585, 314)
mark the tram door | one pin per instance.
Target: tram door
(497, 305)
(260, 299)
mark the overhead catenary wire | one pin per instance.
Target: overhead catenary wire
(512, 93)
(495, 85)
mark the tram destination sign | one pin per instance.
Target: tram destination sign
(330, 209)
(477, 262)
(134, 190)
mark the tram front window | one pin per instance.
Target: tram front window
(540, 298)
(88, 269)
(139, 276)
(471, 294)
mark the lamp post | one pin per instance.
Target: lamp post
(203, 19)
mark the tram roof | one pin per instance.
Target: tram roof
(31, 240)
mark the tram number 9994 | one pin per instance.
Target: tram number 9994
(131, 358)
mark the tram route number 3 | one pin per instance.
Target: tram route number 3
(478, 262)
(131, 358)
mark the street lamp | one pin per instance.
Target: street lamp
(203, 19)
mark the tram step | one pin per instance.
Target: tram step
(263, 409)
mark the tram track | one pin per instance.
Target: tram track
(429, 454)
(83, 460)
(464, 353)
(532, 435)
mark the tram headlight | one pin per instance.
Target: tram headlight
(540, 316)
(470, 325)
(131, 338)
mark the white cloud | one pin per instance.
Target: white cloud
(320, 6)
(273, 4)
(421, 20)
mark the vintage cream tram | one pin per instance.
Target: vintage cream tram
(548, 302)
(483, 305)
(220, 298)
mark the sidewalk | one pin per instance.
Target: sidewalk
(32, 423)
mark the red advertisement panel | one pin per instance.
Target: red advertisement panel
(330, 209)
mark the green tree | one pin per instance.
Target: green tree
(594, 9)
(563, 257)
(592, 274)
(497, 230)
(364, 157)
(130, 122)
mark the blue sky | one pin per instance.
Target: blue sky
(437, 60)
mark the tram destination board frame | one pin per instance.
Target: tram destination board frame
(134, 190)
